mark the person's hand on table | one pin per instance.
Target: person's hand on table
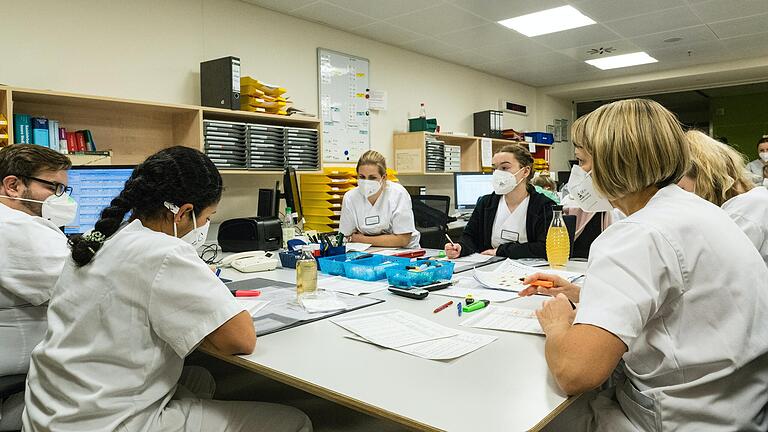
(556, 315)
(452, 250)
(491, 252)
(358, 238)
(561, 286)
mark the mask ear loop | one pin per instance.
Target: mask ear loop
(175, 210)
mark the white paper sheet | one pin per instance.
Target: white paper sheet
(506, 319)
(253, 306)
(486, 152)
(359, 247)
(393, 328)
(314, 305)
(464, 286)
(445, 348)
(507, 275)
(474, 258)
(350, 286)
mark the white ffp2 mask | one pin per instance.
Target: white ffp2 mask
(582, 190)
(369, 187)
(197, 236)
(504, 182)
(60, 210)
(764, 156)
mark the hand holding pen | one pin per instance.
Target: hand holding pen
(551, 285)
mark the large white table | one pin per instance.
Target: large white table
(503, 386)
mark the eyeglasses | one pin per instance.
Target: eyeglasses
(58, 188)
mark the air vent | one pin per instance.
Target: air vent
(601, 50)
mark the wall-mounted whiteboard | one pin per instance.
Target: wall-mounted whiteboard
(343, 86)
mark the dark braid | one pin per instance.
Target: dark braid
(179, 175)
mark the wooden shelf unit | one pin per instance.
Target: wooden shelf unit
(132, 130)
(409, 151)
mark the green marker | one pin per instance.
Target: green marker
(477, 305)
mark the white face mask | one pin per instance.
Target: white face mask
(369, 187)
(61, 210)
(764, 156)
(197, 236)
(582, 190)
(765, 182)
(504, 182)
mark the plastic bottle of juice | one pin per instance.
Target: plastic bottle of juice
(558, 241)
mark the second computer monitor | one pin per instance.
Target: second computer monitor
(291, 192)
(469, 187)
(93, 187)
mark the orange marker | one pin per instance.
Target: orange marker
(541, 283)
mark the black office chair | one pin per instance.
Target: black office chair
(430, 214)
(11, 384)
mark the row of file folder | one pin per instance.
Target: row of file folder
(236, 145)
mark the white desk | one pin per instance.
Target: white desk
(503, 386)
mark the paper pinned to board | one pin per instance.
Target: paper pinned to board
(486, 152)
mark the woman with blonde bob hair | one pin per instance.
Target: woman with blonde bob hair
(675, 290)
(718, 174)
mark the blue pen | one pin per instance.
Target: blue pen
(218, 272)
(458, 307)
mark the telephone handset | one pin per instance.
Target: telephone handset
(252, 261)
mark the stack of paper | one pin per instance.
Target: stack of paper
(350, 286)
(507, 319)
(411, 334)
(508, 275)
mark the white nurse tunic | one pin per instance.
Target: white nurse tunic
(750, 212)
(391, 214)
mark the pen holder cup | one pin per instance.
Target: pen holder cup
(288, 259)
(373, 268)
(333, 251)
(402, 277)
(334, 265)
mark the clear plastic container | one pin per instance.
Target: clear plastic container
(306, 273)
(403, 277)
(373, 268)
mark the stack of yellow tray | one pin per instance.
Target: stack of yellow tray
(4, 141)
(321, 196)
(257, 96)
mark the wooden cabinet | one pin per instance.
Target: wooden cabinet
(132, 130)
(409, 149)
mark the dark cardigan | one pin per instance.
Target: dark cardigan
(477, 233)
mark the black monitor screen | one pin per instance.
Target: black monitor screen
(469, 187)
(93, 188)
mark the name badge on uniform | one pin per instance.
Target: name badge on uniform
(371, 220)
(511, 236)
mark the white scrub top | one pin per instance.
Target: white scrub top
(118, 331)
(391, 214)
(750, 212)
(32, 255)
(510, 226)
(756, 168)
(681, 285)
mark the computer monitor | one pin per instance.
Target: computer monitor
(93, 187)
(469, 187)
(269, 202)
(291, 192)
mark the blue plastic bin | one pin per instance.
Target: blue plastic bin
(402, 277)
(373, 268)
(334, 265)
(541, 137)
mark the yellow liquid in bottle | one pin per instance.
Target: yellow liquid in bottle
(558, 246)
(306, 277)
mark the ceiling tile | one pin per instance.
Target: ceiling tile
(609, 10)
(509, 51)
(547, 63)
(428, 46)
(281, 5)
(332, 15)
(741, 27)
(721, 10)
(497, 10)
(383, 9)
(592, 34)
(655, 22)
(748, 46)
(690, 35)
(503, 68)
(437, 20)
(387, 33)
(486, 34)
(690, 54)
(611, 48)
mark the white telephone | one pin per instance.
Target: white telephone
(249, 262)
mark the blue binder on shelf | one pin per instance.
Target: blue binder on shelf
(21, 129)
(40, 131)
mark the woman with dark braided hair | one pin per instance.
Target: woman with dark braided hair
(132, 303)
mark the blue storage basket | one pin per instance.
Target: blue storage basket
(373, 268)
(334, 265)
(541, 137)
(402, 277)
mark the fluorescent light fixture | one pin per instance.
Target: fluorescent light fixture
(620, 61)
(548, 21)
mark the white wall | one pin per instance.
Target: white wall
(151, 50)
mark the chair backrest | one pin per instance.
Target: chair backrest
(430, 210)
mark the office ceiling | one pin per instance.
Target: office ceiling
(679, 33)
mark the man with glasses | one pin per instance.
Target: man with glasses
(34, 202)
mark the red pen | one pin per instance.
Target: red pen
(443, 307)
(247, 293)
